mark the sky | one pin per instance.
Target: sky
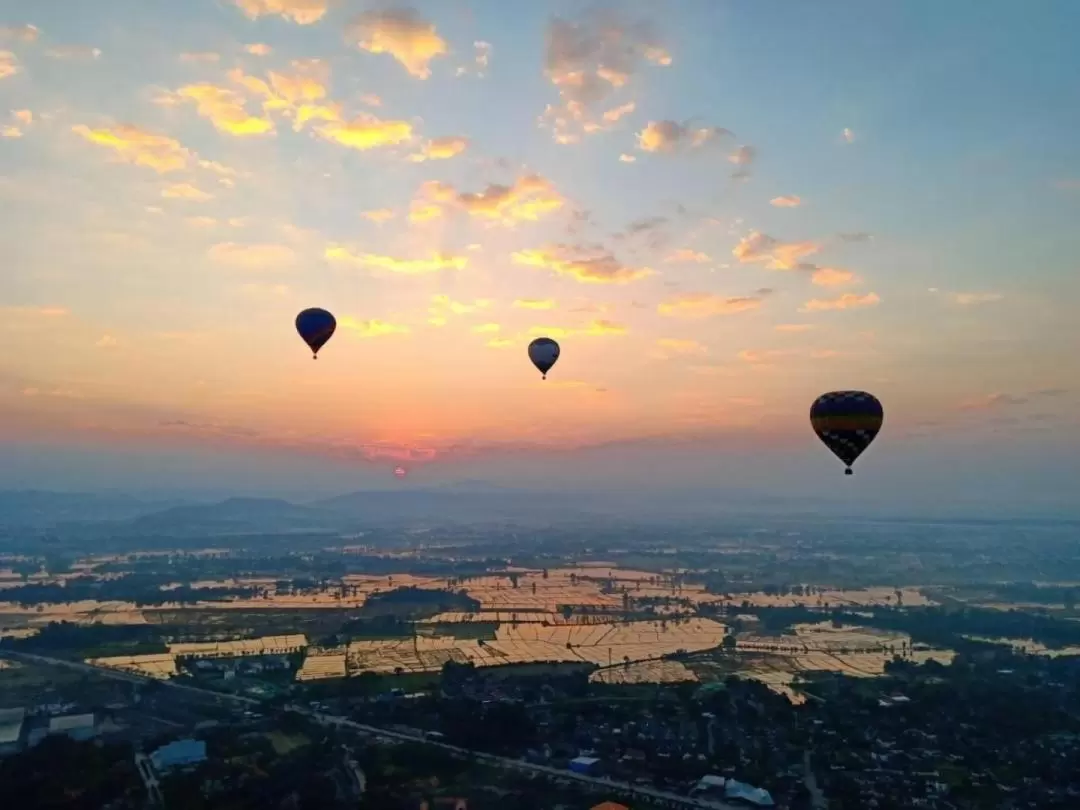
(720, 210)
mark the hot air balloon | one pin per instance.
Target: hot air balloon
(400, 472)
(544, 352)
(316, 326)
(847, 421)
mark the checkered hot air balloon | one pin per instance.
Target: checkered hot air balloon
(847, 422)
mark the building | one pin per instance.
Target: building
(585, 765)
(740, 791)
(75, 726)
(11, 723)
(178, 754)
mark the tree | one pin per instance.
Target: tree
(729, 643)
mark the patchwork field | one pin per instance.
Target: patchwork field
(645, 672)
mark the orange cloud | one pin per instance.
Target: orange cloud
(481, 60)
(687, 255)
(685, 347)
(833, 277)
(500, 343)
(846, 301)
(966, 299)
(225, 109)
(436, 262)
(366, 132)
(440, 149)
(133, 145)
(535, 303)
(529, 198)
(625, 158)
(23, 116)
(259, 49)
(9, 64)
(378, 215)
(786, 201)
(402, 34)
(423, 212)
(589, 61)
(37, 312)
(704, 305)
(584, 266)
(201, 222)
(252, 257)
(10, 131)
(595, 328)
(19, 33)
(486, 328)
(201, 57)
(185, 191)
(776, 255)
(671, 136)
(743, 156)
(371, 328)
(793, 327)
(444, 304)
(301, 12)
(73, 52)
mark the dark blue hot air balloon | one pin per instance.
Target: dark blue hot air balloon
(846, 422)
(544, 352)
(316, 326)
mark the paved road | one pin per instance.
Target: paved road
(607, 785)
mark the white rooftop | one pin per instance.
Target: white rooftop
(68, 722)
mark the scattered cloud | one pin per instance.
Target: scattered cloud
(1003, 400)
(582, 264)
(589, 61)
(185, 191)
(500, 343)
(681, 347)
(420, 211)
(73, 53)
(671, 136)
(786, 201)
(528, 199)
(412, 267)
(535, 303)
(966, 299)
(767, 357)
(486, 328)
(703, 305)
(402, 34)
(846, 301)
(133, 145)
(366, 132)
(625, 158)
(37, 312)
(259, 49)
(440, 149)
(857, 236)
(19, 33)
(252, 256)
(225, 109)
(371, 100)
(301, 12)
(848, 135)
(833, 277)
(442, 306)
(371, 328)
(687, 255)
(378, 215)
(9, 64)
(201, 222)
(774, 254)
(793, 327)
(596, 328)
(201, 57)
(743, 156)
(481, 60)
(106, 342)
(10, 131)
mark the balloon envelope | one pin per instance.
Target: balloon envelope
(847, 422)
(544, 352)
(316, 326)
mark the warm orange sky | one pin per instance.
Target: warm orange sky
(717, 225)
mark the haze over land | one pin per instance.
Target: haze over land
(720, 210)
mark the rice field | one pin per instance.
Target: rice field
(158, 665)
(645, 672)
(266, 645)
(323, 662)
(600, 644)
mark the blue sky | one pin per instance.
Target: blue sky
(721, 209)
